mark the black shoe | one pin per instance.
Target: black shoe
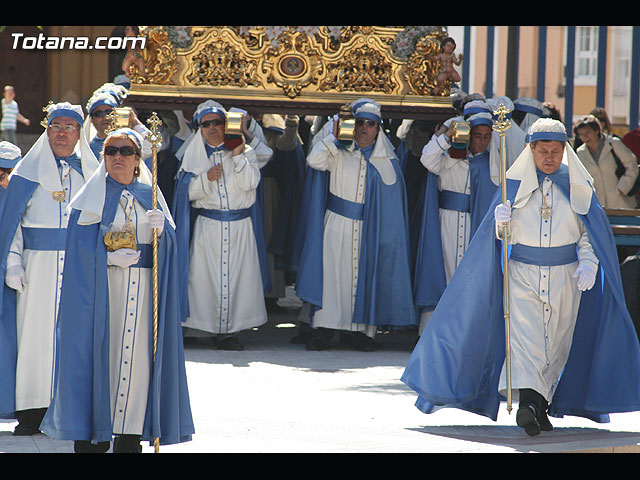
(363, 343)
(543, 419)
(25, 430)
(230, 343)
(527, 419)
(320, 339)
(85, 446)
(317, 344)
(127, 444)
(29, 421)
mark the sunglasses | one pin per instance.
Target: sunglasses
(215, 122)
(56, 127)
(101, 113)
(368, 123)
(5, 174)
(124, 151)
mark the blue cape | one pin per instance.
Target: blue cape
(458, 359)
(81, 406)
(383, 293)
(13, 203)
(429, 278)
(184, 216)
(12, 207)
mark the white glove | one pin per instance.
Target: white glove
(123, 257)
(15, 278)
(586, 277)
(156, 220)
(503, 212)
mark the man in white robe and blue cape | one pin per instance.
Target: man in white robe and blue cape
(208, 288)
(378, 292)
(33, 221)
(459, 360)
(454, 202)
(81, 409)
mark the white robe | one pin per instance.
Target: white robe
(453, 175)
(342, 237)
(225, 285)
(130, 350)
(543, 300)
(37, 305)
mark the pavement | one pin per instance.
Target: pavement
(277, 397)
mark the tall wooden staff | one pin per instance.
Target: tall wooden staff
(155, 138)
(501, 125)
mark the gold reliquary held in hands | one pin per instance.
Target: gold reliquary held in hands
(346, 125)
(233, 129)
(126, 238)
(120, 118)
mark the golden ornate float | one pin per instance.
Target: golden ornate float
(303, 70)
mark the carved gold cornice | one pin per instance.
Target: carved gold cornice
(247, 65)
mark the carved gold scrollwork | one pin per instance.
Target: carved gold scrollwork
(361, 70)
(293, 65)
(159, 58)
(307, 66)
(221, 64)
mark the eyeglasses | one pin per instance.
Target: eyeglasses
(101, 113)
(5, 174)
(369, 123)
(124, 151)
(56, 127)
(215, 122)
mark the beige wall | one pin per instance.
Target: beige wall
(584, 97)
(74, 74)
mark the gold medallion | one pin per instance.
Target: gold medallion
(545, 212)
(59, 196)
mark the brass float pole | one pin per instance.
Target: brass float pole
(501, 125)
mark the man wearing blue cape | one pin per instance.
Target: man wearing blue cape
(33, 221)
(10, 155)
(109, 382)
(354, 267)
(457, 192)
(221, 241)
(573, 346)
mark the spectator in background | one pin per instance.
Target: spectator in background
(553, 111)
(612, 165)
(632, 141)
(10, 116)
(605, 124)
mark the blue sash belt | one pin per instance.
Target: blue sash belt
(146, 256)
(449, 200)
(545, 256)
(346, 208)
(225, 215)
(44, 238)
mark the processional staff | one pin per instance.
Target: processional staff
(119, 118)
(501, 125)
(155, 138)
